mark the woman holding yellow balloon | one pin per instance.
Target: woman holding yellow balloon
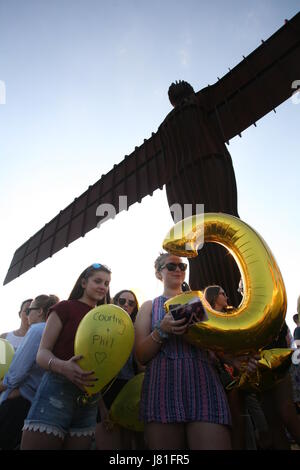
(57, 418)
(183, 403)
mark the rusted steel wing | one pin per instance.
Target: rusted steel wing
(138, 175)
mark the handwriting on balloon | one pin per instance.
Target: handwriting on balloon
(111, 318)
(104, 339)
(100, 357)
(101, 341)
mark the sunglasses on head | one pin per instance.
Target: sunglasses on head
(99, 266)
(28, 310)
(122, 301)
(173, 266)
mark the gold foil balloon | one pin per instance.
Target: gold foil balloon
(272, 367)
(6, 355)
(104, 338)
(260, 316)
(125, 407)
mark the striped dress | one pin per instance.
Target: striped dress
(181, 383)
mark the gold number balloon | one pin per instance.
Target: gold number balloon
(6, 356)
(260, 316)
(272, 368)
(104, 338)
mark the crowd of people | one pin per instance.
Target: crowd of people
(188, 398)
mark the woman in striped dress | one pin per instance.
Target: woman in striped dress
(183, 403)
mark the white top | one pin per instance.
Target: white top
(13, 339)
(23, 372)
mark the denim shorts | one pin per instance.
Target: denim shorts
(58, 409)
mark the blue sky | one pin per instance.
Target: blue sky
(86, 81)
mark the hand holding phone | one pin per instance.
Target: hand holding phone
(192, 311)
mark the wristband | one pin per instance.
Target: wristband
(50, 363)
(162, 334)
(154, 339)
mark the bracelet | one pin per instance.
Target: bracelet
(154, 339)
(50, 363)
(162, 334)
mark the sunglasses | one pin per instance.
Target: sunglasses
(97, 266)
(173, 266)
(28, 310)
(122, 301)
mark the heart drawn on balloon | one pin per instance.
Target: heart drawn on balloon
(100, 357)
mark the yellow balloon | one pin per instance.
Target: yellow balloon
(272, 368)
(6, 355)
(125, 407)
(260, 316)
(104, 338)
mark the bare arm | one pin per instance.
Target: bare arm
(145, 347)
(147, 342)
(46, 359)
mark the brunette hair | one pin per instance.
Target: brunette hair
(23, 303)
(135, 310)
(77, 291)
(45, 302)
(211, 293)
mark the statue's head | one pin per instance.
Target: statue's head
(178, 91)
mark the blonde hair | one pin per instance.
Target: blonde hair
(160, 260)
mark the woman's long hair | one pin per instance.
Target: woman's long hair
(78, 291)
(211, 294)
(136, 308)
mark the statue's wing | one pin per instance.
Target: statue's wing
(138, 175)
(257, 85)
